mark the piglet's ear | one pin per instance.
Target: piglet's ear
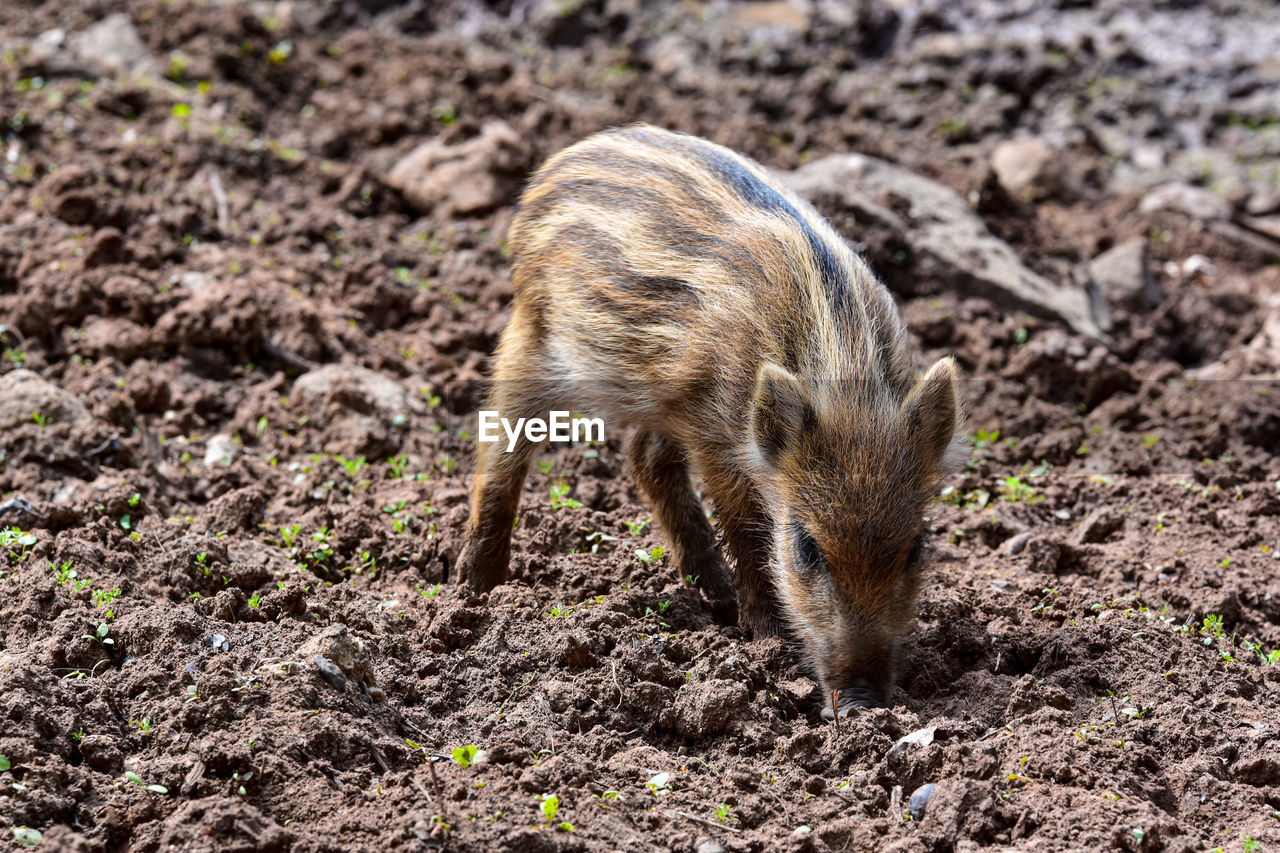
(932, 409)
(780, 411)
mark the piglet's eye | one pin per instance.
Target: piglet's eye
(808, 557)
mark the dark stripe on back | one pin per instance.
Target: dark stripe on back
(755, 192)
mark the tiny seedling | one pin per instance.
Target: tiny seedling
(27, 837)
(550, 805)
(397, 464)
(5, 763)
(104, 597)
(560, 497)
(723, 814)
(637, 527)
(41, 420)
(659, 785)
(144, 725)
(100, 636)
(649, 558)
(137, 780)
(468, 755)
(545, 466)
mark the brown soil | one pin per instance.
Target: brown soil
(286, 655)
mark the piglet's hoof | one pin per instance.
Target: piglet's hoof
(853, 699)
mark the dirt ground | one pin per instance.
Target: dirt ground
(242, 361)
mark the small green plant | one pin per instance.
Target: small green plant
(649, 558)
(27, 837)
(41, 420)
(144, 725)
(608, 798)
(983, 439)
(447, 464)
(545, 466)
(137, 780)
(397, 464)
(598, 538)
(1013, 489)
(280, 54)
(723, 814)
(430, 592)
(550, 804)
(353, 466)
(103, 597)
(659, 785)
(5, 763)
(560, 497)
(100, 636)
(637, 527)
(255, 602)
(468, 755)
(16, 543)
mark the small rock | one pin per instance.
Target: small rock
(343, 649)
(947, 240)
(919, 801)
(801, 841)
(218, 642)
(1183, 198)
(1123, 276)
(709, 845)
(360, 408)
(1267, 226)
(330, 672)
(1026, 167)
(1263, 201)
(920, 737)
(470, 177)
(24, 394)
(113, 48)
(221, 451)
(1100, 524)
(1015, 545)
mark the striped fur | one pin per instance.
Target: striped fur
(669, 285)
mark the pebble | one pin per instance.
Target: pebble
(329, 672)
(919, 800)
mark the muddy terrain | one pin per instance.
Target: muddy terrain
(252, 267)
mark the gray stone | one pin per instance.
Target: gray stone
(360, 409)
(340, 648)
(920, 737)
(1183, 198)
(470, 177)
(1026, 167)
(1099, 525)
(1123, 276)
(919, 801)
(109, 48)
(330, 671)
(24, 394)
(949, 241)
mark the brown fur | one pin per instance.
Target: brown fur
(670, 286)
